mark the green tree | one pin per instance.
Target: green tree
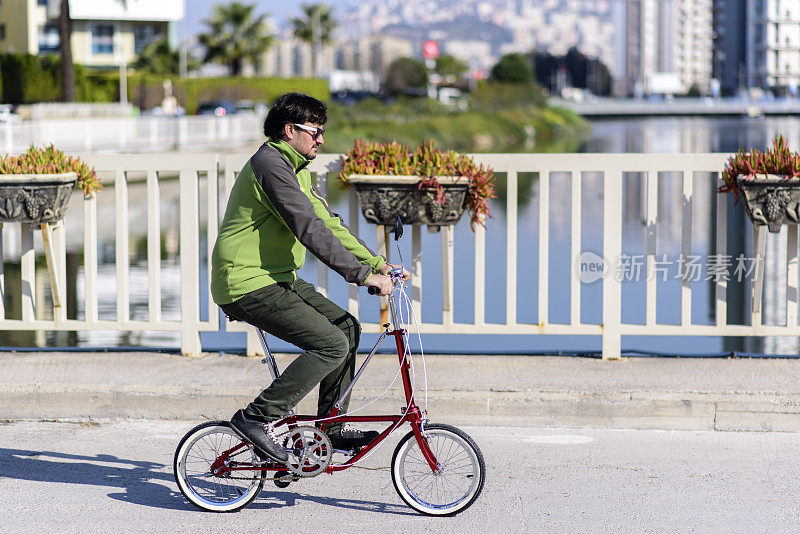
(158, 58)
(447, 65)
(513, 68)
(234, 36)
(406, 73)
(315, 27)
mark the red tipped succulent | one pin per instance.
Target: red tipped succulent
(427, 162)
(755, 165)
(48, 160)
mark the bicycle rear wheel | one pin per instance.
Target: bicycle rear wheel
(449, 492)
(224, 491)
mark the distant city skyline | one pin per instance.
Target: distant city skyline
(280, 12)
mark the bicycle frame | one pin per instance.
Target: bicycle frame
(409, 413)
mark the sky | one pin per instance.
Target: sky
(280, 10)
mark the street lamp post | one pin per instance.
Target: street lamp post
(184, 45)
(123, 68)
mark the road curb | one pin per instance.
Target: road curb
(636, 410)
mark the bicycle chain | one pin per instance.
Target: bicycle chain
(295, 479)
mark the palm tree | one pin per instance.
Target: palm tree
(158, 58)
(67, 66)
(235, 36)
(315, 27)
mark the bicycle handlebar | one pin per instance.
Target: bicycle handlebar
(396, 275)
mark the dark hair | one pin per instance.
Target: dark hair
(293, 108)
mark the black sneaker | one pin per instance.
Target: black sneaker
(259, 434)
(348, 439)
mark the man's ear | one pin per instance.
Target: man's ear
(288, 131)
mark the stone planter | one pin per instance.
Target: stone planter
(382, 198)
(771, 200)
(35, 198)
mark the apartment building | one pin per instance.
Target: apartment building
(730, 44)
(289, 57)
(475, 53)
(773, 37)
(373, 53)
(105, 33)
(669, 38)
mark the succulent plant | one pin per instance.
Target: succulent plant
(427, 162)
(756, 164)
(49, 160)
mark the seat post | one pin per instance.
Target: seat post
(269, 359)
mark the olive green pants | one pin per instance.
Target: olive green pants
(328, 335)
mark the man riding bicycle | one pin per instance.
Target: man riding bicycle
(274, 215)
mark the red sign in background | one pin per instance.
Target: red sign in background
(430, 49)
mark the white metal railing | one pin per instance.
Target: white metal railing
(192, 171)
(198, 175)
(152, 133)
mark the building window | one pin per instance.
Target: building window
(49, 41)
(143, 35)
(43, 3)
(2, 32)
(102, 39)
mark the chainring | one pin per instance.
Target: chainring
(309, 449)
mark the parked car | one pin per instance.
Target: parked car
(159, 111)
(251, 106)
(220, 108)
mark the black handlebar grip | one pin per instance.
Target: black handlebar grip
(373, 290)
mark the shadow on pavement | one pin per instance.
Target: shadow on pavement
(143, 483)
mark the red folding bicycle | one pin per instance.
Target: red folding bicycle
(436, 469)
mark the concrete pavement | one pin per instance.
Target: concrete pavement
(117, 477)
(639, 393)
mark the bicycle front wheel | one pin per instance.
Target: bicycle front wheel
(220, 491)
(455, 487)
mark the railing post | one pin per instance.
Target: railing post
(153, 246)
(353, 223)
(612, 246)
(416, 266)
(511, 247)
(383, 250)
(759, 248)
(480, 272)
(447, 275)
(190, 264)
(90, 257)
(28, 268)
(123, 259)
(791, 275)
(544, 247)
(2, 279)
(254, 347)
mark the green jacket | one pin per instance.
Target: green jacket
(274, 215)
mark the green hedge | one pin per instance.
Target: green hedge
(26, 79)
(145, 90)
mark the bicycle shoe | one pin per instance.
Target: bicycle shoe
(347, 439)
(261, 435)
